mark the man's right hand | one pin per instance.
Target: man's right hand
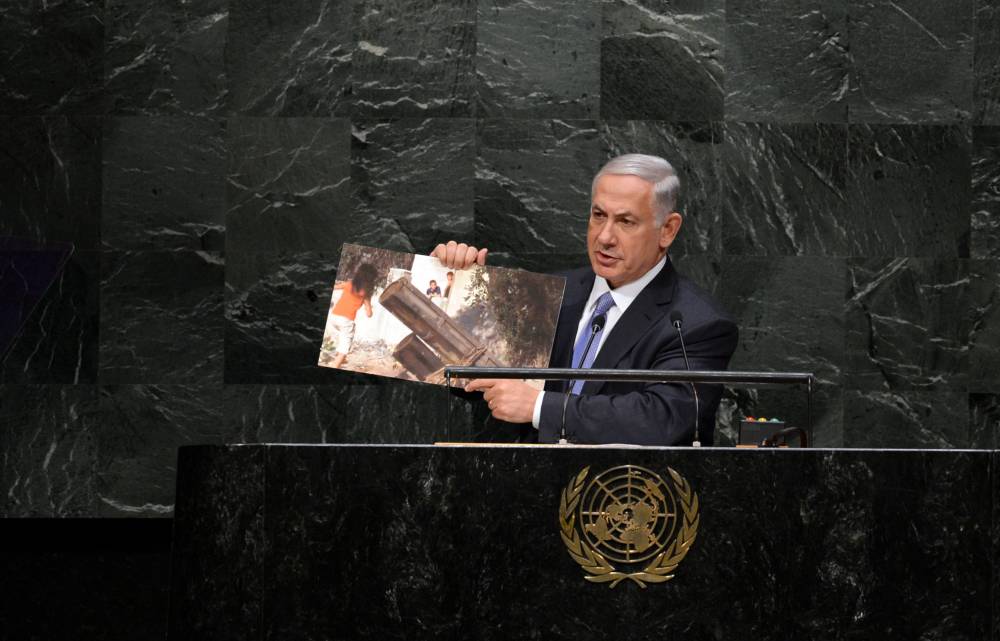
(459, 255)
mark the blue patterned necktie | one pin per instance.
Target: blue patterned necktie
(604, 303)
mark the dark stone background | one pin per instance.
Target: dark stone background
(841, 169)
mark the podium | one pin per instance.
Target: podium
(470, 542)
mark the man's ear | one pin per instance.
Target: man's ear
(668, 232)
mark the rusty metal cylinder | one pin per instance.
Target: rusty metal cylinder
(450, 340)
(416, 357)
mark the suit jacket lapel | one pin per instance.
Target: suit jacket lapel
(646, 310)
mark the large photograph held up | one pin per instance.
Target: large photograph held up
(406, 316)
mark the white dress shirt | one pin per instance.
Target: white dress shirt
(623, 297)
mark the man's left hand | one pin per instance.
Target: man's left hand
(509, 400)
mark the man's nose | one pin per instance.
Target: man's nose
(606, 235)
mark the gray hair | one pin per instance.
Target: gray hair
(652, 169)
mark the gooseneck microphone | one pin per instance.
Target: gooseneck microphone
(677, 319)
(595, 328)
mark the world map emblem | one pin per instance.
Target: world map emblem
(628, 523)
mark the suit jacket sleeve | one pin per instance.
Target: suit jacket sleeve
(649, 414)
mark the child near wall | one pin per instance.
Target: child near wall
(355, 294)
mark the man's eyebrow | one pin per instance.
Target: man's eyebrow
(622, 214)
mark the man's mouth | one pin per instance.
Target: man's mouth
(606, 259)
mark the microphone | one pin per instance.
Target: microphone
(595, 327)
(676, 319)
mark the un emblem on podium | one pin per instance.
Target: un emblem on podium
(628, 523)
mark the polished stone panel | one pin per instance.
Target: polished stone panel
(289, 184)
(533, 182)
(908, 324)
(58, 343)
(50, 179)
(791, 319)
(381, 411)
(47, 436)
(165, 57)
(414, 58)
(906, 419)
(161, 330)
(693, 149)
(911, 62)
(142, 427)
(787, 61)
(704, 269)
(908, 189)
(985, 235)
(53, 57)
(27, 269)
(413, 180)
(984, 316)
(164, 184)
(984, 416)
(538, 60)
(111, 451)
(986, 63)
(542, 263)
(292, 59)
(276, 308)
(662, 60)
(447, 543)
(784, 190)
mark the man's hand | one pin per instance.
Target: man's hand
(459, 255)
(509, 400)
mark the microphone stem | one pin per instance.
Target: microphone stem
(697, 416)
(694, 388)
(684, 351)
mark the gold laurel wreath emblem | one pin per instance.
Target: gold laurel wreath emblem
(598, 568)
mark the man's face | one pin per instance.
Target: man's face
(623, 240)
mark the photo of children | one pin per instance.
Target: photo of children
(412, 329)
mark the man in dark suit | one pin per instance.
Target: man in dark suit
(631, 284)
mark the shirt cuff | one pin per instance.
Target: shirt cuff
(536, 415)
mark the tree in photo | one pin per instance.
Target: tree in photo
(511, 298)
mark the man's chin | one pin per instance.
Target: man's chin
(607, 273)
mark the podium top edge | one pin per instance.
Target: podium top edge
(577, 447)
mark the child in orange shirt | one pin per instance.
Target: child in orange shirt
(356, 293)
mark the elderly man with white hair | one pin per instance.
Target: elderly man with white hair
(634, 294)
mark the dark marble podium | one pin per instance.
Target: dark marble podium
(423, 542)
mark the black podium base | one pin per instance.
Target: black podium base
(423, 542)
